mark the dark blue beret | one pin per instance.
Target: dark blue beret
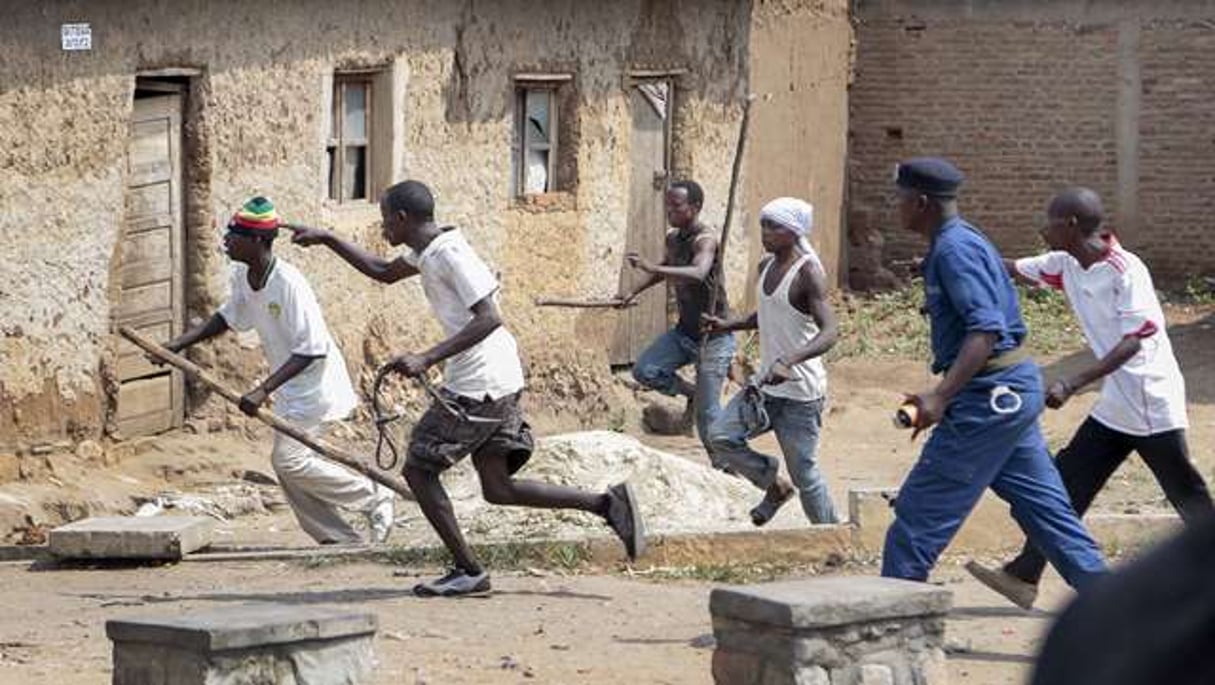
(930, 176)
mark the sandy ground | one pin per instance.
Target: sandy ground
(553, 629)
(584, 629)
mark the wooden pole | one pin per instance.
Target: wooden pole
(717, 273)
(592, 303)
(323, 447)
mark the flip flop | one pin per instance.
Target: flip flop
(767, 508)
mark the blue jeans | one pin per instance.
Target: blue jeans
(976, 447)
(656, 367)
(797, 425)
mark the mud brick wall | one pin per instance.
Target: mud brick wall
(255, 124)
(1028, 97)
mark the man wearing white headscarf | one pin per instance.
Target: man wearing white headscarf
(796, 326)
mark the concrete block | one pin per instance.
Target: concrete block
(780, 647)
(823, 602)
(152, 537)
(283, 645)
(735, 667)
(848, 675)
(812, 675)
(242, 626)
(876, 674)
(932, 667)
(870, 512)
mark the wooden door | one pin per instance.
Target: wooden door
(150, 398)
(651, 106)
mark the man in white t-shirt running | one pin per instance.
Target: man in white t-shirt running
(1142, 403)
(482, 379)
(309, 383)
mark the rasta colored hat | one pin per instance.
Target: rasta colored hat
(256, 218)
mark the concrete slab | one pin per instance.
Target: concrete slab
(250, 625)
(152, 537)
(824, 602)
(267, 643)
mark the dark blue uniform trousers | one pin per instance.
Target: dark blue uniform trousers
(976, 446)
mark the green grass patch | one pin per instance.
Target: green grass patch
(1197, 291)
(506, 556)
(733, 574)
(890, 325)
(882, 325)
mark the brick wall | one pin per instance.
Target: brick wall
(1177, 147)
(1028, 97)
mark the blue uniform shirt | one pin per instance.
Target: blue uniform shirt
(967, 289)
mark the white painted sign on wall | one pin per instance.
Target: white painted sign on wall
(76, 36)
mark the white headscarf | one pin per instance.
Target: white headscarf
(793, 214)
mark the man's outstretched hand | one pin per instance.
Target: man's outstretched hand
(305, 236)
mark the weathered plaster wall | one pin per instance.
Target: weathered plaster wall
(255, 126)
(800, 61)
(58, 197)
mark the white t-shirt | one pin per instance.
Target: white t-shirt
(1115, 298)
(454, 279)
(288, 321)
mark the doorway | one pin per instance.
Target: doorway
(650, 101)
(151, 290)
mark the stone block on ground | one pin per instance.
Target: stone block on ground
(118, 537)
(279, 644)
(840, 630)
(826, 602)
(667, 416)
(871, 512)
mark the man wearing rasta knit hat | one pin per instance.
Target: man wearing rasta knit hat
(483, 377)
(310, 383)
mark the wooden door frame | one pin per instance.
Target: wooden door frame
(618, 356)
(172, 103)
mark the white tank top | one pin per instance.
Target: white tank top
(784, 329)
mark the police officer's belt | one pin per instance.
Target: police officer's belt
(1004, 360)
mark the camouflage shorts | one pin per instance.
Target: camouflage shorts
(441, 439)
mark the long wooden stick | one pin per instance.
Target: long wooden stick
(323, 447)
(591, 303)
(717, 274)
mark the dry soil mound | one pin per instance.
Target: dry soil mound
(676, 495)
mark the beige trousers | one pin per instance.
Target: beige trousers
(318, 489)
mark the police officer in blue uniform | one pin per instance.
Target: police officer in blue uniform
(985, 407)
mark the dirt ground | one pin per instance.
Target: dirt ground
(537, 628)
(550, 629)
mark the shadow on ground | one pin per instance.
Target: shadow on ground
(992, 657)
(352, 596)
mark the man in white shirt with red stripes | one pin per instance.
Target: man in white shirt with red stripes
(1142, 403)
